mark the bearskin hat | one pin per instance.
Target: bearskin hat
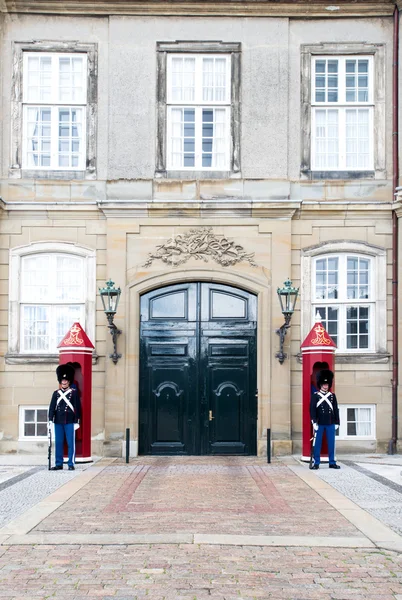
(325, 376)
(65, 372)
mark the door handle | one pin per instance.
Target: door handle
(210, 415)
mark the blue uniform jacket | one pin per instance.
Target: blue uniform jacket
(323, 415)
(61, 413)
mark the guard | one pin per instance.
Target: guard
(65, 413)
(324, 414)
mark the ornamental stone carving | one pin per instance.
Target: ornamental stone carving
(201, 244)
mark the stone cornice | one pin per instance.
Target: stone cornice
(231, 8)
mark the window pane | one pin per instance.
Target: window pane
(35, 278)
(182, 142)
(29, 429)
(70, 136)
(41, 429)
(66, 316)
(214, 138)
(29, 416)
(326, 278)
(326, 139)
(326, 80)
(357, 327)
(69, 278)
(38, 136)
(182, 79)
(358, 278)
(41, 415)
(71, 79)
(329, 320)
(357, 139)
(35, 327)
(39, 82)
(214, 79)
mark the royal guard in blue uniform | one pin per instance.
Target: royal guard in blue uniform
(65, 413)
(324, 414)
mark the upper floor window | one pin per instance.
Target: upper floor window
(343, 99)
(343, 295)
(52, 285)
(342, 113)
(198, 112)
(198, 108)
(54, 110)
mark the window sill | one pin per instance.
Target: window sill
(35, 359)
(361, 358)
(68, 175)
(197, 175)
(340, 175)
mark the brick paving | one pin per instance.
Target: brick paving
(188, 572)
(197, 495)
(226, 497)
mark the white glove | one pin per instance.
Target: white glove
(336, 427)
(315, 426)
(76, 426)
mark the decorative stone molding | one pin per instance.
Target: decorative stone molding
(239, 8)
(200, 244)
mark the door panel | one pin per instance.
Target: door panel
(198, 370)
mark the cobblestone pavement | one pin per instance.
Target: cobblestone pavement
(371, 491)
(242, 496)
(188, 572)
(21, 493)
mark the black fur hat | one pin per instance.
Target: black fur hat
(325, 376)
(65, 372)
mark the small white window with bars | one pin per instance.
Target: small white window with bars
(198, 112)
(357, 422)
(343, 295)
(342, 109)
(54, 111)
(33, 422)
(51, 299)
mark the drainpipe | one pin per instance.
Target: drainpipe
(392, 446)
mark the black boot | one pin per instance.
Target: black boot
(334, 466)
(57, 468)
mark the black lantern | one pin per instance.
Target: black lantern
(110, 299)
(287, 297)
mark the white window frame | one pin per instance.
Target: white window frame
(342, 303)
(19, 168)
(342, 106)
(376, 53)
(15, 300)
(165, 166)
(198, 104)
(378, 282)
(342, 432)
(54, 105)
(21, 423)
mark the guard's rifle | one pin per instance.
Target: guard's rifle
(312, 448)
(49, 445)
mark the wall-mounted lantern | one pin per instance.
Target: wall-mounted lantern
(287, 297)
(110, 299)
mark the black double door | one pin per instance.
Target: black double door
(198, 370)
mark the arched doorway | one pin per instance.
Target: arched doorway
(198, 370)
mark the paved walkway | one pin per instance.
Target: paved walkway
(191, 528)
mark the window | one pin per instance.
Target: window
(342, 113)
(54, 105)
(51, 287)
(342, 295)
(357, 422)
(346, 283)
(198, 112)
(33, 422)
(52, 299)
(342, 110)
(198, 108)
(54, 110)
